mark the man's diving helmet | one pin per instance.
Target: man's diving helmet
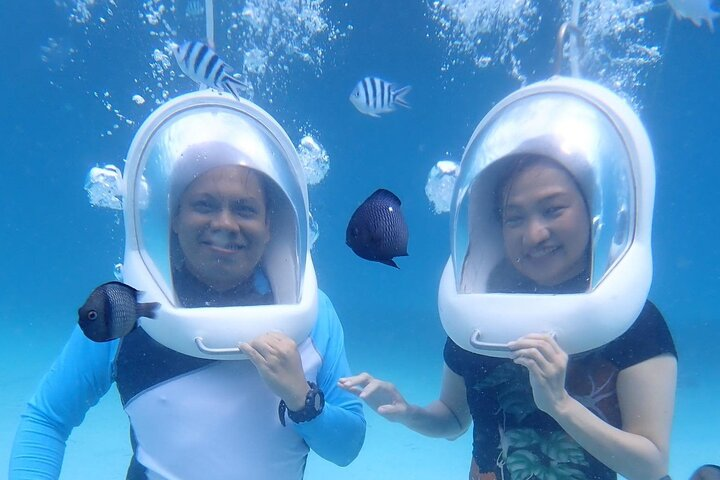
(602, 144)
(182, 140)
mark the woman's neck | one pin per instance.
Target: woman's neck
(506, 279)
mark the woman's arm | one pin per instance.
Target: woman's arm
(646, 395)
(80, 376)
(448, 416)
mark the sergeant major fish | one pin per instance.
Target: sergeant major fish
(377, 230)
(201, 64)
(112, 311)
(373, 96)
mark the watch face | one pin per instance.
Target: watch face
(318, 402)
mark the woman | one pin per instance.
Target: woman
(198, 418)
(543, 412)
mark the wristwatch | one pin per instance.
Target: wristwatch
(314, 404)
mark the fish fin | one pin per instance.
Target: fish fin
(382, 193)
(399, 96)
(234, 86)
(147, 309)
(389, 262)
(372, 114)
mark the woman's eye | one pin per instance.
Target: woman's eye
(513, 221)
(554, 212)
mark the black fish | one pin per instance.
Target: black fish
(377, 230)
(112, 311)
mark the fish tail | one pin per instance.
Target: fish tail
(389, 262)
(399, 96)
(147, 309)
(234, 86)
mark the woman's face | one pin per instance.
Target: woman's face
(222, 227)
(546, 228)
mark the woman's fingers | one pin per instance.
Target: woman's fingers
(535, 357)
(376, 393)
(360, 380)
(544, 344)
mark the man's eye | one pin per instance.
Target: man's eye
(245, 210)
(202, 206)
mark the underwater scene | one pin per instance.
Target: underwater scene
(380, 99)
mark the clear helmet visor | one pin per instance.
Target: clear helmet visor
(220, 200)
(551, 221)
(507, 237)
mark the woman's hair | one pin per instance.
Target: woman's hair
(518, 164)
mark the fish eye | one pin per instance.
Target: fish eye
(92, 315)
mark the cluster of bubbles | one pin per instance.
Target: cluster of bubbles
(314, 160)
(105, 187)
(261, 39)
(57, 53)
(271, 36)
(316, 164)
(488, 31)
(105, 99)
(619, 50)
(440, 185)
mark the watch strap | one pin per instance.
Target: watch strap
(314, 404)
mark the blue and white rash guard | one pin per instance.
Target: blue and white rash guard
(192, 418)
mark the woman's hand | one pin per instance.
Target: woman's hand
(547, 364)
(277, 359)
(381, 396)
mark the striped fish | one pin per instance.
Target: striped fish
(200, 63)
(373, 96)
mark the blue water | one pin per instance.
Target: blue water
(56, 247)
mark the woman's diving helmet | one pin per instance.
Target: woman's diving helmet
(181, 141)
(600, 141)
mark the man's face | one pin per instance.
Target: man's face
(222, 226)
